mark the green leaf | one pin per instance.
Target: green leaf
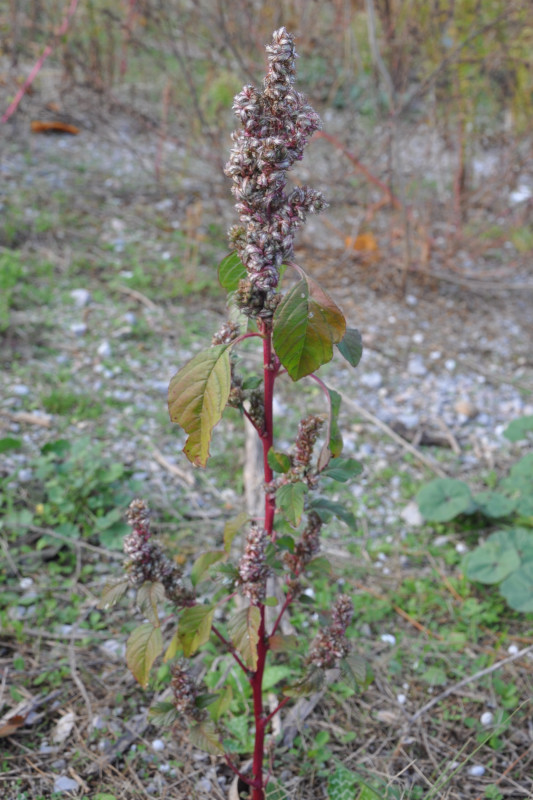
(319, 566)
(9, 443)
(290, 501)
(519, 428)
(271, 602)
(522, 541)
(328, 508)
(312, 682)
(204, 736)
(443, 499)
(343, 469)
(518, 588)
(221, 703)
(283, 642)
(113, 592)
(278, 462)
(492, 561)
(274, 674)
(342, 784)
(197, 396)
(274, 791)
(523, 468)
(333, 444)
(494, 504)
(172, 648)
(351, 346)
(148, 596)
(232, 527)
(307, 323)
(243, 629)
(194, 628)
(356, 671)
(435, 676)
(231, 270)
(204, 561)
(144, 645)
(164, 714)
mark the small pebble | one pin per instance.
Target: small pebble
(388, 638)
(411, 300)
(64, 784)
(416, 366)
(477, 770)
(81, 297)
(487, 718)
(104, 349)
(412, 515)
(20, 390)
(158, 745)
(450, 364)
(461, 548)
(512, 649)
(25, 583)
(401, 698)
(78, 328)
(418, 337)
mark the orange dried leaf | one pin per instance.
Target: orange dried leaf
(363, 242)
(40, 126)
(11, 725)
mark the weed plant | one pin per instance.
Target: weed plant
(241, 605)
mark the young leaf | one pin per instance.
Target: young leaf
(142, 648)
(518, 588)
(307, 323)
(243, 629)
(204, 561)
(113, 592)
(443, 499)
(278, 462)
(351, 346)
(232, 527)
(197, 396)
(204, 736)
(492, 561)
(333, 444)
(519, 428)
(327, 508)
(194, 628)
(343, 469)
(290, 501)
(173, 647)
(231, 270)
(494, 504)
(148, 596)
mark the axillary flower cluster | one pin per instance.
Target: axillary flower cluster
(276, 126)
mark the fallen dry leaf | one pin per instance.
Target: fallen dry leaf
(40, 126)
(64, 727)
(10, 725)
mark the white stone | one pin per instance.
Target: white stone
(64, 784)
(435, 354)
(521, 193)
(418, 337)
(158, 745)
(487, 718)
(450, 364)
(411, 300)
(476, 770)
(412, 515)
(81, 297)
(25, 583)
(512, 649)
(78, 328)
(104, 349)
(461, 548)
(401, 698)
(416, 366)
(388, 638)
(20, 390)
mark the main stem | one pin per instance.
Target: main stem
(256, 681)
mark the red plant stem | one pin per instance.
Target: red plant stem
(230, 649)
(278, 708)
(286, 604)
(39, 63)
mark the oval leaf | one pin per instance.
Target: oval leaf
(492, 561)
(306, 325)
(351, 346)
(519, 428)
(148, 596)
(197, 396)
(204, 737)
(494, 504)
(231, 529)
(113, 592)
(443, 499)
(518, 588)
(143, 647)
(290, 501)
(231, 270)
(243, 629)
(194, 628)
(278, 462)
(343, 469)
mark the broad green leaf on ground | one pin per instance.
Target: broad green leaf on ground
(494, 504)
(204, 736)
(333, 444)
(197, 396)
(493, 560)
(522, 541)
(342, 784)
(149, 595)
(275, 792)
(194, 627)
(278, 462)
(518, 588)
(231, 529)
(351, 346)
(243, 628)
(327, 508)
(523, 468)
(204, 561)
(9, 443)
(113, 592)
(290, 501)
(144, 645)
(443, 499)
(434, 675)
(231, 270)
(519, 428)
(306, 325)
(343, 469)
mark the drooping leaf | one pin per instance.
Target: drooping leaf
(221, 703)
(164, 714)
(333, 444)
(172, 648)
(231, 270)
(327, 508)
(204, 736)
(194, 627)
(518, 588)
(443, 499)
(307, 323)
(113, 592)
(278, 462)
(493, 560)
(343, 469)
(243, 628)
(148, 597)
(311, 682)
(197, 396)
(144, 645)
(519, 428)
(204, 561)
(283, 642)
(232, 527)
(290, 501)
(351, 346)
(356, 671)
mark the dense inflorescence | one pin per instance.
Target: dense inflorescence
(276, 125)
(330, 644)
(185, 692)
(253, 569)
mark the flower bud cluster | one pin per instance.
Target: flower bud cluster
(276, 125)
(307, 547)
(253, 569)
(185, 692)
(147, 560)
(330, 644)
(226, 334)
(301, 468)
